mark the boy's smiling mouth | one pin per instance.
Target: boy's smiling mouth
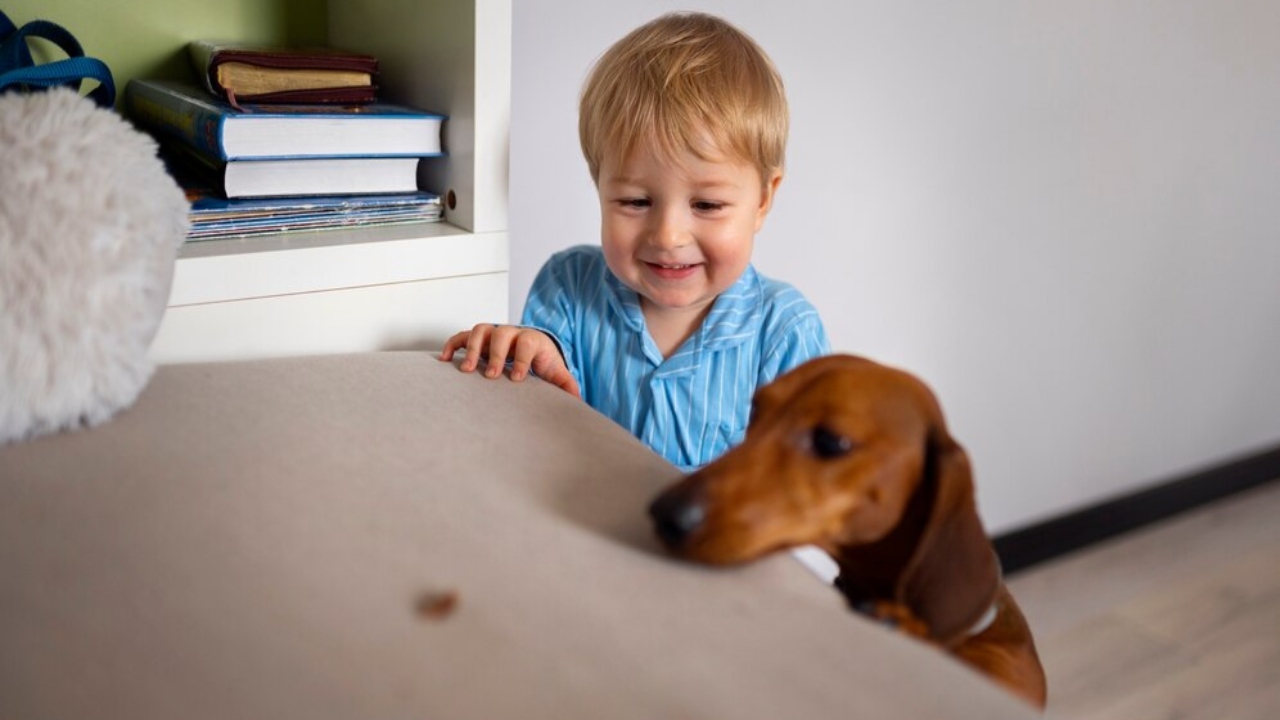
(672, 271)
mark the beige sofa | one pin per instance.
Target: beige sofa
(381, 536)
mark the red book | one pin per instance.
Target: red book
(239, 72)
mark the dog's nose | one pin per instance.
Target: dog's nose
(677, 514)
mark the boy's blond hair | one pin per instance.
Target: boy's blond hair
(685, 82)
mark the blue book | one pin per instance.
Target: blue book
(189, 114)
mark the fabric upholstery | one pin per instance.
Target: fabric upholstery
(251, 539)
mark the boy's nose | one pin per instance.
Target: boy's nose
(670, 231)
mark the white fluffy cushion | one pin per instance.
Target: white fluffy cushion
(90, 226)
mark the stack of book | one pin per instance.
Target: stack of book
(297, 143)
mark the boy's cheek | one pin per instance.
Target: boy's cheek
(617, 231)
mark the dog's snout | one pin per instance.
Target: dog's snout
(677, 514)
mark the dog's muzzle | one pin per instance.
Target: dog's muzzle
(677, 514)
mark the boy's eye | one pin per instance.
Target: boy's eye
(635, 202)
(707, 206)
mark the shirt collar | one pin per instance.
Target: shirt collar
(733, 317)
(730, 323)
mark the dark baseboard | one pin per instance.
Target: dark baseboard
(1020, 549)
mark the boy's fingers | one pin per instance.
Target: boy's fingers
(500, 342)
(550, 367)
(564, 380)
(478, 346)
(527, 349)
(452, 345)
(522, 355)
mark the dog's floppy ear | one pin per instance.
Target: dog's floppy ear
(953, 575)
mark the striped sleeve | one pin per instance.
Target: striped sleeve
(549, 308)
(794, 335)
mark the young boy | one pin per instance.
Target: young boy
(666, 327)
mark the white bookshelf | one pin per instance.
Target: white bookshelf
(398, 287)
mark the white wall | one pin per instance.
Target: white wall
(1064, 215)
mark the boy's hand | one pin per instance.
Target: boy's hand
(526, 348)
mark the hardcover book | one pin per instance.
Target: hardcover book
(239, 72)
(284, 177)
(189, 114)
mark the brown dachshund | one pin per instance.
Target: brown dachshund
(854, 457)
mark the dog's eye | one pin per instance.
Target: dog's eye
(828, 444)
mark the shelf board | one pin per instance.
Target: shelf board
(228, 270)
(316, 238)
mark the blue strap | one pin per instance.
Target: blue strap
(69, 72)
(18, 69)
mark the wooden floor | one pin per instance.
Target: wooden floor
(1178, 620)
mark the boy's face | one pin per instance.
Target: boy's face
(680, 232)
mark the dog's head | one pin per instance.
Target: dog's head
(833, 456)
(853, 457)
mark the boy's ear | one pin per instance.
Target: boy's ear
(766, 197)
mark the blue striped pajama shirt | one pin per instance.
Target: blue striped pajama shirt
(694, 405)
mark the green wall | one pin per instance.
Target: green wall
(147, 38)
